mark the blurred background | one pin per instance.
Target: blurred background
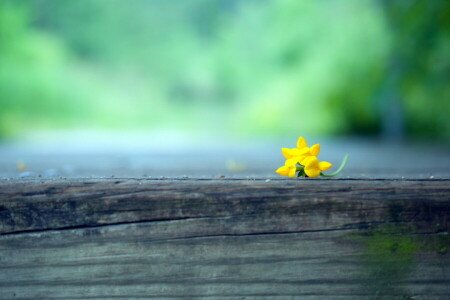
(214, 88)
(236, 67)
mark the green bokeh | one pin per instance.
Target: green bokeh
(278, 67)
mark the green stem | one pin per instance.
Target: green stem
(301, 172)
(344, 162)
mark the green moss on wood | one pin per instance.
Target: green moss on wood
(387, 257)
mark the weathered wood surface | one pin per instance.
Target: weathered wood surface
(30, 205)
(224, 239)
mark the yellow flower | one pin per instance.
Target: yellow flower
(303, 160)
(288, 169)
(299, 154)
(313, 167)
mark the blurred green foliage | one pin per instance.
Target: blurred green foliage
(255, 66)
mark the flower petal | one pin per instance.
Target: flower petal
(297, 152)
(315, 150)
(303, 151)
(291, 162)
(292, 172)
(287, 153)
(302, 159)
(312, 172)
(311, 162)
(324, 165)
(301, 143)
(283, 171)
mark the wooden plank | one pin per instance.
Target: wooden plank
(315, 204)
(225, 239)
(172, 260)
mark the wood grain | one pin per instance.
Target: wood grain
(314, 204)
(225, 239)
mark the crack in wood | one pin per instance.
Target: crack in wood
(346, 227)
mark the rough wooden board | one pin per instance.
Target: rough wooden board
(29, 205)
(171, 260)
(224, 239)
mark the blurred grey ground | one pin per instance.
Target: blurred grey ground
(174, 155)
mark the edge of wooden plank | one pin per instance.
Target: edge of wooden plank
(300, 205)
